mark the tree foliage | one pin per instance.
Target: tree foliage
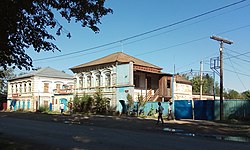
(246, 95)
(232, 94)
(26, 23)
(130, 102)
(101, 103)
(207, 84)
(83, 104)
(5, 75)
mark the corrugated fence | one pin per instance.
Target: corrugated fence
(203, 109)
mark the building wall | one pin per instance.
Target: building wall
(182, 91)
(57, 99)
(96, 78)
(124, 84)
(36, 96)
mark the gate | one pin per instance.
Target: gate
(183, 109)
(204, 109)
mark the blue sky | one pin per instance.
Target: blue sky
(183, 45)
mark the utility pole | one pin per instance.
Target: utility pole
(222, 41)
(201, 70)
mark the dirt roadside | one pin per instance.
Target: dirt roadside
(190, 127)
(235, 128)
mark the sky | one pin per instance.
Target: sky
(174, 35)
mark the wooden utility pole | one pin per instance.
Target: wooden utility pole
(222, 41)
(201, 70)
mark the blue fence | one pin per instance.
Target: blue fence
(183, 109)
(150, 108)
(202, 109)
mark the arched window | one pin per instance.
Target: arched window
(97, 80)
(81, 82)
(12, 88)
(88, 81)
(107, 79)
(29, 88)
(25, 87)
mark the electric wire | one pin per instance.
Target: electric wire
(237, 74)
(148, 32)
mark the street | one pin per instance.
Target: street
(58, 135)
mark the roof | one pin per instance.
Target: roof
(181, 79)
(116, 57)
(46, 72)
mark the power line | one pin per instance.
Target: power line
(239, 54)
(240, 65)
(237, 74)
(145, 33)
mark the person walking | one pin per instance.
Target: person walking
(70, 108)
(61, 107)
(170, 113)
(160, 112)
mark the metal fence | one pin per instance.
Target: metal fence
(202, 109)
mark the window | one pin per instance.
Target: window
(58, 87)
(80, 82)
(107, 80)
(12, 88)
(29, 87)
(65, 86)
(46, 87)
(168, 83)
(20, 88)
(89, 81)
(149, 84)
(24, 89)
(46, 104)
(70, 86)
(97, 80)
(16, 88)
(136, 81)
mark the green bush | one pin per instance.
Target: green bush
(44, 109)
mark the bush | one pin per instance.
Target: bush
(44, 109)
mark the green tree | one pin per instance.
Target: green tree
(83, 104)
(231, 94)
(5, 75)
(141, 104)
(130, 102)
(101, 103)
(27, 23)
(207, 84)
(246, 95)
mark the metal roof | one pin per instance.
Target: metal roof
(46, 72)
(116, 57)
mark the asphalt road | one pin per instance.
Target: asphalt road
(58, 135)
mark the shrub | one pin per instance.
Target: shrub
(44, 109)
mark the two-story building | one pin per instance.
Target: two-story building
(118, 75)
(45, 87)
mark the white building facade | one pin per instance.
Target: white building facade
(38, 89)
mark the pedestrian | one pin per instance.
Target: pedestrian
(160, 111)
(61, 107)
(170, 113)
(70, 108)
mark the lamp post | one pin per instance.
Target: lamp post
(222, 41)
